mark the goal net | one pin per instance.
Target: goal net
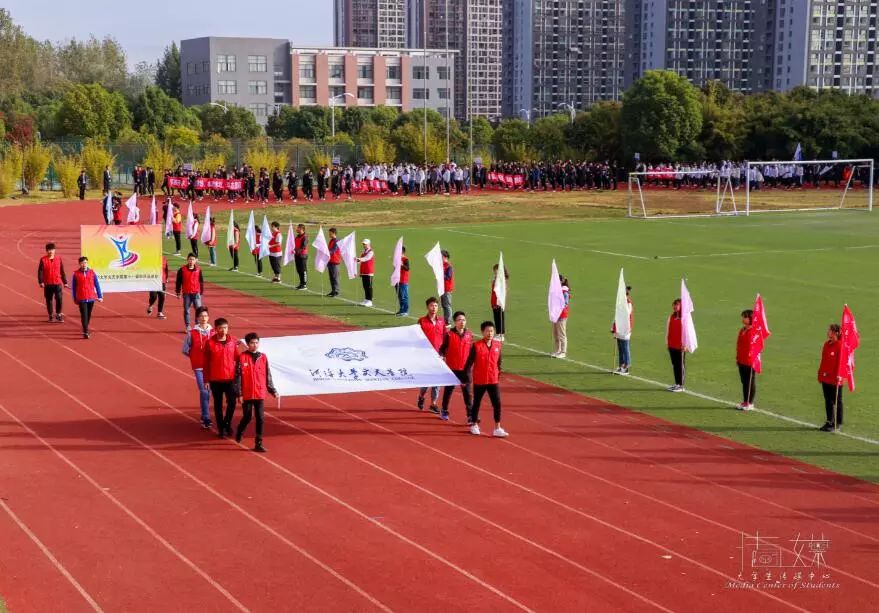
(809, 185)
(685, 191)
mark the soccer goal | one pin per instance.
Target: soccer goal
(809, 185)
(676, 192)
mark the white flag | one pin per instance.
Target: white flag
(321, 251)
(434, 259)
(348, 249)
(500, 284)
(191, 224)
(133, 210)
(250, 233)
(266, 238)
(169, 219)
(290, 247)
(206, 227)
(621, 321)
(688, 328)
(108, 206)
(398, 263)
(154, 214)
(556, 298)
(230, 230)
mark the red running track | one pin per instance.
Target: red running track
(112, 497)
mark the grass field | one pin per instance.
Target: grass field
(805, 266)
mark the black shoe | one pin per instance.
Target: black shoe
(51, 319)
(434, 409)
(238, 436)
(206, 425)
(259, 448)
(331, 295)
(826, 428)
(59, 318)
(86, 335)
(420, 403)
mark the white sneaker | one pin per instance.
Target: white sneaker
(554, 354)
(742, 406)
(749, 407)
(561, 356)
(500, 337)
(676, 388)
(474, 429)
(367, 303)
(500, 433)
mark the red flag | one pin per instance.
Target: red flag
(849, 341)
(759, 333)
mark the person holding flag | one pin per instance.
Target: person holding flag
(275, 251)
(133, 209)
(257, 248)
(623, 322)
(837, 367)
(559, 304)
(300, 256)
(154, 213)
(749, 347)
(499, 297)
(233, 241)
(321, 253)
(335, 258)
(674, 342)
(367, 271)
(160, 295)
(289, 247)
(209, 237)
(117, 208)
(448, 284)
(192, 232)
(400, 278)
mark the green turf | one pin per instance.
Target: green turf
(805, 266)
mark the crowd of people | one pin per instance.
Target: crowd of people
(767, 175)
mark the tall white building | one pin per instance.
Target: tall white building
(370, 23)
(562, 53)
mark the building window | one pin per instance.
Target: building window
(395, 95)
(419, 93)
(443, 93)
(337, 91)
(225, 63)
(205, 66)
(421, 72)
(260, 109)
(257, 88)
(442, 72)
(337, 71)
(257, 63)
(364, 71)
(364, 93)
(306, 71)
(308, 92)
(395, 73)
(188, 67)
(227, 87)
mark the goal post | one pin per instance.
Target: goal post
(809, 185)
(672, 192)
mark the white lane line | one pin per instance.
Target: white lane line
(55, 562)
(519, 240)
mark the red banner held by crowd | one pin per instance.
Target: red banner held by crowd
(207, 183)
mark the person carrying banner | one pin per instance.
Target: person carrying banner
(190, 283)
(333, 264)
(830, 378)
(235, 246)
(456, 350)
(52, 278)
(560, 326)
(403, 286)
(212, 241)
(160, 295)
(276, 251)
(194, 347)
(448, 284)
(86, 289)
(434, 329)
(300, 256)
(485, 361)
(675, 343)
(220, 357)
(367, 271)
(253, 380)
(176, 226)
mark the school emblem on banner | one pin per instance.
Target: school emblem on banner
(347, 354)
(125, 258)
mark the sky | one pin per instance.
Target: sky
(145, 31)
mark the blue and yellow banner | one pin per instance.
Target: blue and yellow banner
(125, 258)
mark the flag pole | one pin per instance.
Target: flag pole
(614, 354)
(750, 383)
(836, 403)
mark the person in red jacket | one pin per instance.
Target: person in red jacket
(485, 360)
(86, 289)
(456, 350)
(367, 271)
(300, 256)
(176, 226)
(252, 380)
(403, 286)
(830, 380)
(190, 282)
(236, 244)
(220, 357)
(255, 250)
(674, 339)
(333, 264)
(212, 241)
(160, 296)
(193, 346)
(745, 363)
(434, 329)
(276, 249)
(52, 278)
(448, 287)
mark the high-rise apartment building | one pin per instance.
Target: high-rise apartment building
(370, 23)
(562, 54)
(473, 28)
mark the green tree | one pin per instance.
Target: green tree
(93, 61)
(661, 116)
(511, 138)
(280, 124)
(236, 122)
(27, 64)
(168, 73)
(547, 137)
(183, 141)
(154, 110)
(482, 131)
(375, 145)
(597, 134)
(91, 111)
(383, 116)
(723, 123)
(352, 120)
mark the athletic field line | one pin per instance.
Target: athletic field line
(134, 516)
(368, 518)
(541, 244)
(651, 382)
(42, 547)
(763, 252)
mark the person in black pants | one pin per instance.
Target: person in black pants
(485, 360)
(675, 342)
(746, 365)
(496, 309)
(82, 183)
(831, 382)
(252, 380)
(456, 351)
(219, 372)
(160, 295)
(300, 256)
(333, 264)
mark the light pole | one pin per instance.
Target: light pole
(333, 113)
(571, 110)
(527, 115)
(222, 106)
